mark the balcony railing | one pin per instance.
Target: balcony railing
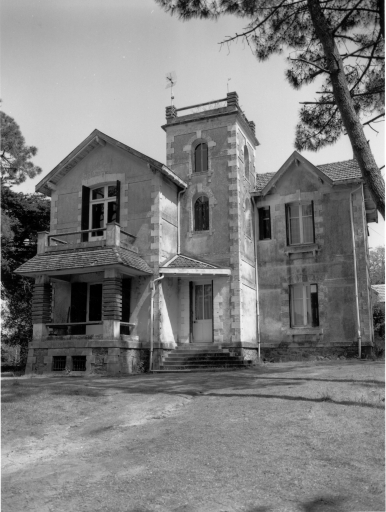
(79, 328)
(111, 237)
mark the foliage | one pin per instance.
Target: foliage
(379, 320)
(23, 215)
(15, 161)
(377, 265)
(337, 43)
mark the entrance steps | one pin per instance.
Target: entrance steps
(200, 357)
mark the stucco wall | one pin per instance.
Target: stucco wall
(331, 266)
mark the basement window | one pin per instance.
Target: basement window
(78, 363)
(59, 363)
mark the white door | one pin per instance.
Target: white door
(202, 312)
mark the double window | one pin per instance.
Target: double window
(300, 223)
(86, 304)
(304, 305)
(201, 214)
(100, 205)
(201, 157)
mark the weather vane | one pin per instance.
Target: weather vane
(171, 80)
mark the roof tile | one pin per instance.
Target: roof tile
(68, 260)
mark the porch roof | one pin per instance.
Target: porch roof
(88, 260)
(184, 265)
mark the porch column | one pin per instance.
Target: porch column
(41, 306)
(112, 304)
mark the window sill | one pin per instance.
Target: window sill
(293, 331)
(299, 249)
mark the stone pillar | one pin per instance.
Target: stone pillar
(112, 304)
(171, 112)
(113, 234)
(42, 241)
(232, 99)
(41, 306)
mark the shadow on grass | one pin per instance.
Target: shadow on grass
(318, 504)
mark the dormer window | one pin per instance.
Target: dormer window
(103, 207)
(201, 158)
(100, 205)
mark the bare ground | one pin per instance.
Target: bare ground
(296, 437)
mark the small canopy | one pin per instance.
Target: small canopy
(182, 266)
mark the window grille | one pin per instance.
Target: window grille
(78, 363)
(59, 363)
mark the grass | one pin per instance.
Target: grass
(293, 436)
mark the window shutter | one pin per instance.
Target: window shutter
(315, 307)
(118, 215)
(261, 224)
(85, 222)
(268, 223)
(313, 221)
(287, 223)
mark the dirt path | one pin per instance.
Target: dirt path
(284, 437)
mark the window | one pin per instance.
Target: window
(264, 223)
(300, 223)
(86, 305)
(248, 218)
(246, 162)
(201, 214)
(201, 158)
(100, 205)
(59, 363)
(78, 363)
(304, 305)
(103, 207)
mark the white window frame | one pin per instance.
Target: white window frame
(104, 201)
(307, 289)
(301, 203)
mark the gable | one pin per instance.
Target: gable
(297, 177)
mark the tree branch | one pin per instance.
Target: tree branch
(312, 64)
(346, 17)
(373, 119)
(317, 102)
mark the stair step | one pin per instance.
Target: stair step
(191, 366)
(191, 357)
(202, 362)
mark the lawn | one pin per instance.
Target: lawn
(296, 437)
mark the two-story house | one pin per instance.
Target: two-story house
(145, 259)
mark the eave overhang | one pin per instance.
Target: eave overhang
(94, 140)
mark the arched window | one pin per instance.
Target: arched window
(201, 214)
(248, 218)
(201, 158)
(246, 162)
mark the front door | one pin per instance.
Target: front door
(202, 312)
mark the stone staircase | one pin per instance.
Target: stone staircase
(200, 357)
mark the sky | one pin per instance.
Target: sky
(71, 66)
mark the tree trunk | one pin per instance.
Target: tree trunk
(371, 174)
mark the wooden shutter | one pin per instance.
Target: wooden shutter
(85, 222)
(190, 311)
(287, 223)
(118, 216)
(314, 307)
(313, 221)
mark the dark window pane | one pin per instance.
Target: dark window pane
(95, 303)
(111, 211)
(199, 302)
(264, 223)
(201, 158)
(78, 302)
(97, 214)
(201, 214)
(111, 191)
(126, 293)
(207, 302)
(98, 193)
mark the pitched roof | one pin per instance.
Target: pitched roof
(181, 261)
(338, 171)
(84, 259)
(97, 139)
(380, 290)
